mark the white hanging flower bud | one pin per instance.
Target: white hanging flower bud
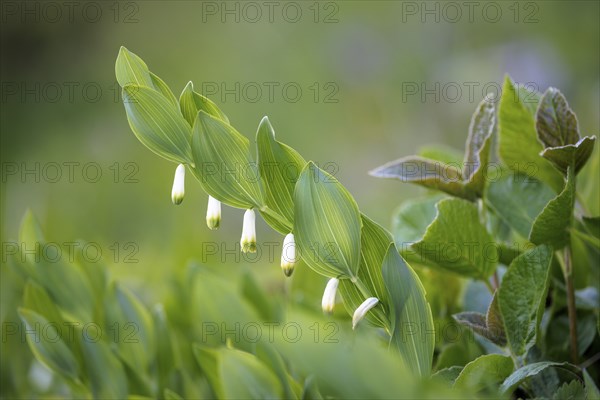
(329, 295)
(213, 213)
(248, 241)
(178, 185)
(288, 254)
(362, 310)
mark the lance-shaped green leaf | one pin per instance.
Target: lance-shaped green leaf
(374, 245)
(134, 331)
(518, 144)
(326, 224)
(413, 333)
(487, 371)
(171, 395)
(457, 241)
(552, 225)
(104, 370)
(518, 199)
(157, 123)
(190, 102)
(65, 282)
(164, 89)
(479, 143)
(131, 69)
(47, 345)
(222, 163)
(428, 173)
(592, 390)
(266, 353)
(165, 354)
(36, 299)
(488, 325)
(578, 153)
(592, 225)
(279, 166)
(235, 374)
(522, 293)
(530, 370)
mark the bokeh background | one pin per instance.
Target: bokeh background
(356, 63)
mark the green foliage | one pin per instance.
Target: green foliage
(522, 294)
(412, 335)
(490, 254)
(486, 371)
(517, 136)
(516, 227)
(468, 251)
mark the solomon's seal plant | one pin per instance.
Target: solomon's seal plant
(318, 217)
(506, 242)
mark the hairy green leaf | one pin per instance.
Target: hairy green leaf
(522, 293)
(556, 123)
(428, 173)
(518, 144)
(487, 371)
(457, 241)
(518, 199)
(411, 219)
(552, 225)
(487, 325)
(530, 370)
(570, 391)
(577, 153)
(478, 147)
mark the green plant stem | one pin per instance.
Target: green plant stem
(275, 215)
(496, 280)
(571, 310)
(591, 240)
(489, 286)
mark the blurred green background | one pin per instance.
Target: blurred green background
(60, 105)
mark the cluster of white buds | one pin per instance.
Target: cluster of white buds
(213, 213)
(248, 240)
(288, 255)
(178, 190)
(248, 244)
